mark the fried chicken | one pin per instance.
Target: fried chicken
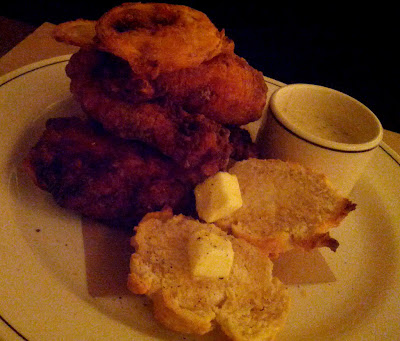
(153, 135)
(242, 145)
(196, 142)
(226, 89)
(104, 177)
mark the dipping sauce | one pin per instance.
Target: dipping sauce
(322, 129)
(325, 114)
(330, 127)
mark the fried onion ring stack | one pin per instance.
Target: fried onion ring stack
(166, 76)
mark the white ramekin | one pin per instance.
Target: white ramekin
(323, 129)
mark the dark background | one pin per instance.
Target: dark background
(350, 48)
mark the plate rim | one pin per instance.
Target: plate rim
(10, 76)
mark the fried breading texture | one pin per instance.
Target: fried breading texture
(192, 140)
(104, 177)
(226, 89)
(159, 37)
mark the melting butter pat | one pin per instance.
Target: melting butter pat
(210, 255)
(218, 197)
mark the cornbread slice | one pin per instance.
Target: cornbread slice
(285, 205)
(249, 304)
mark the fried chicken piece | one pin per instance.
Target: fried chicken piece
(104, 177)
(226, 89)
(111, 74)
(194, 141)
(243, 146)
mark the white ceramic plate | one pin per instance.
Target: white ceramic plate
(50, 260)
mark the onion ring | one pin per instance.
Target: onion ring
(156, 38)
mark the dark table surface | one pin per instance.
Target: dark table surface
(349, 48)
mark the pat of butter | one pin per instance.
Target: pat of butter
(218, 197)
(210, 255)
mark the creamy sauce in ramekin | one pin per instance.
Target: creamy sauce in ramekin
(319, 124)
